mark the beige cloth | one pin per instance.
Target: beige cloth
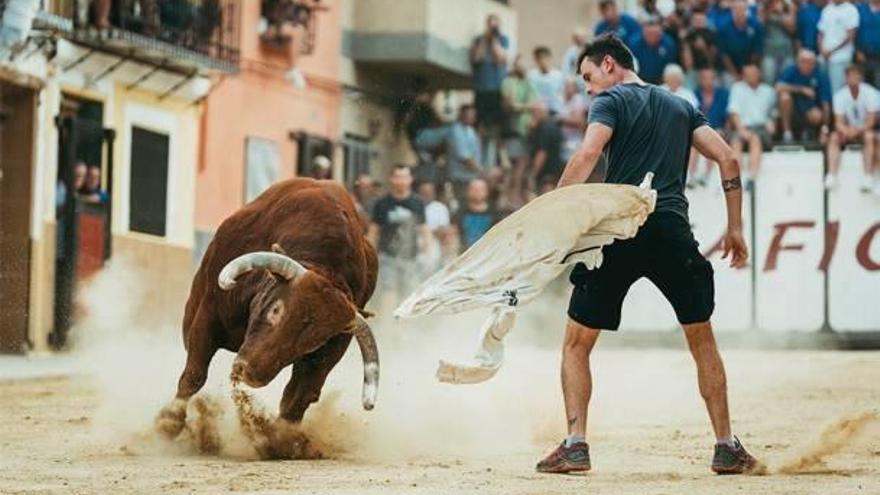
(518, 257)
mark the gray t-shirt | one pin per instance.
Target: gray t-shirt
(652, 132)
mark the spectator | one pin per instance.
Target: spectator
(804, 98)
(673, 81)
(399, 234)
(712, 100)
(837, 33)
(364, 195)
(489, 65)
(623, 25)
(647, 11)
(698, 50)
(548, 81)
(546, 145)
(751, 108)
(719, 13)
(573, 52)
(780, 24)
(424, 127)
(518, 95)
(740, 41)
(868, 41)
(437, 222)
(463, 151)
(321, 168)
(653, 50)
(477, 215)
(855, 117)
(808, 15)
(573, 118)
(91, 191)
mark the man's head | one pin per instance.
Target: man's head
(578, 38)
(427, 191)
(604, 63)
(493, 24)
(321, 167)
(519, 66)
(706, 78)
(740, 10)
(543, 58)
(806, 61)
(467, 114)
(79, 175)
(93, 178)
(539, 112)
(853, 76)
(401, 180)
(608, 11)
(364, 187)
(652, 32)
(752, 75)
(477, 192)
(699, 20)
(673, 76)
(570, 89)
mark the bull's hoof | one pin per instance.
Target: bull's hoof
(172, 419)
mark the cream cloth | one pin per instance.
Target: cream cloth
(518, 257)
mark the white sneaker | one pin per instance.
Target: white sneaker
(867, 185)
(830, 182)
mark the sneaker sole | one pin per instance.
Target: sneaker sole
(564, 468)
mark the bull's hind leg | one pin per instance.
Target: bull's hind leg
(309, 374)
(201, 347)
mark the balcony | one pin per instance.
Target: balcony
(428, 38)
(187, 36)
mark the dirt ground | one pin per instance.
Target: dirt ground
(648, 432)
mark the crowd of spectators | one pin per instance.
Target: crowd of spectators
(794, 72)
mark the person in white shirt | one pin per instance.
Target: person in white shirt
(573, 119)
(751, 108)
(548, 81)
(437, 221)
(837, 33)
(570, 58)
(855, 118)
(673, 81)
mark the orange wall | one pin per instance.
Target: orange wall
(259, 102)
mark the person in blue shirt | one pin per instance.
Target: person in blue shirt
(653, 50)
(808, 16)
(804, 98)
(741, 40)
(623, 25)
(712, 99)
(868, 41)
(489, 64)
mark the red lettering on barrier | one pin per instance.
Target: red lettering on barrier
(832, 229)
(776, 244)
(863, 254)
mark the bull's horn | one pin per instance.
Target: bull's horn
(279, 264)
(370, 356)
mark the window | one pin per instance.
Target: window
(262, 166)
(356, 157)
(310, 147)
(148, 191)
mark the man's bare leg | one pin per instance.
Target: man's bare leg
(577, 381)
(710, 375)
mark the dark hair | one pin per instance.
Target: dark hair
(604, 4)
(465, 107)
(854, 68)
(608, 44)
(399, 166)
(540, 51)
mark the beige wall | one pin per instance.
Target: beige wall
(551, 23)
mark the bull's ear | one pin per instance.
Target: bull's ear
(276, 248)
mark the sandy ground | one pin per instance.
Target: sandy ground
(648, 431)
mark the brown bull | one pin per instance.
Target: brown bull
(298, 304)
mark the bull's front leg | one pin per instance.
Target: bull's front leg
(201, 347)
(308, 377)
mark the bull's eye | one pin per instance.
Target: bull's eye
(276, 311)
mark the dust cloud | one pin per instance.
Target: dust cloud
(834, 439)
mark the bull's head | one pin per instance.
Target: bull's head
(294, 313)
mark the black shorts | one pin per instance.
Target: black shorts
(489, 110)
(664, 251)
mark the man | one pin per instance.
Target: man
(751, 108)
(364, 195)
(91, 191)
(489, 65)
(712, 103)
(656, 139)
(855, 117)
(463, 151)
(868, 41)
(518, 94)
(438, 224)
(837, 35)
(804, 98)
(321, 168)
(673, 81)
(570, 57)
(808, 16)
(624, 26)
(399, 234)
(698, 50)
(573, 119)
(740, 41)
(476, 216)
(546, 145)
(654, 50)
(547, 80)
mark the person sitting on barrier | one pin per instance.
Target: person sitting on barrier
(804, 98)
(751, 108)
(855, 121)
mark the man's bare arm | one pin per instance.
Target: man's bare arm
(373, 234)
(584, 160)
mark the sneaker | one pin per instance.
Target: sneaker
(734, 460)
(787, 137)
(566, 459)
(830, 182)
(869, 184)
